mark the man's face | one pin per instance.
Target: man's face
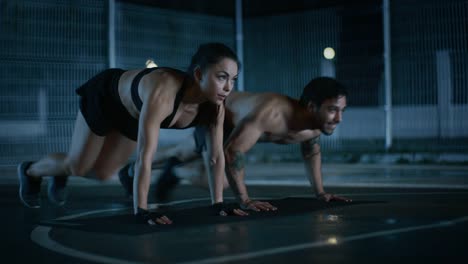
(330, 114)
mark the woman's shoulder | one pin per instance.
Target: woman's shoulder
(163, 76)
(161, 82)
(169, 71)
(159, 73)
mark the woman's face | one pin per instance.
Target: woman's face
(218, 80)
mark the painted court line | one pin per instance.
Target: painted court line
(279, 250)
(400, 193)
(150, 206)
(305, 183)
(41, 236)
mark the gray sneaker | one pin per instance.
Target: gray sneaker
(56, 190)
(30, 187)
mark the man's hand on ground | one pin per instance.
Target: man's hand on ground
(328, 197)
(257, 206)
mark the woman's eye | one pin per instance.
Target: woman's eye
(222, 77)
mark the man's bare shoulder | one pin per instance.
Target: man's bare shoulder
(262, 107)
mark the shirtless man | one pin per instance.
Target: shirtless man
(267, 117)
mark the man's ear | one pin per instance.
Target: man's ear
(312, 107)
(197, 73)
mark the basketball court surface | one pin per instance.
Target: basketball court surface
(381, 224)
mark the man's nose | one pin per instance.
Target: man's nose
(338, 116)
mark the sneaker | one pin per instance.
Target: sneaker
(30, 187)
(166, 182)
(126, 179)
(56, 190)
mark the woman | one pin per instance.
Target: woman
(121, 111)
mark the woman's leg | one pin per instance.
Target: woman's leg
(114, 154)
(84, 150)
(89, 156)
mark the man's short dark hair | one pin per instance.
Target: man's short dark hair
(320, 89)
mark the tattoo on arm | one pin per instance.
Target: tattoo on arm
(308, 148)
(237, 161)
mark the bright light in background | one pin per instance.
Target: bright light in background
(332, 218)
(332, 241)
(151, 64)
(329, 53)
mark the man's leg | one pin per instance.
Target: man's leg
(201, 178)
(166, 159)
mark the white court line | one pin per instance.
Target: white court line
(41, 236)
(302, 183)
(279, 250)
(150, 206)
(399, 193)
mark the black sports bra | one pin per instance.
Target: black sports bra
(139, 103)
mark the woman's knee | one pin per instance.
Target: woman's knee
(102, 173)
(76, 168)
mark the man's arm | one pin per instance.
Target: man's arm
(214, 160)
(242, 139)
(313, 164)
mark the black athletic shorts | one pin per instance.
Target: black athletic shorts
(102, 107)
